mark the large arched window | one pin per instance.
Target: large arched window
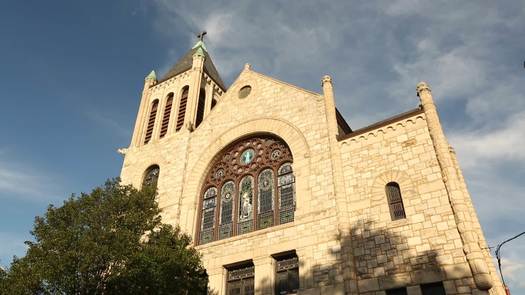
(166, 116)
(151, 176)
(151, 120)
(182, 108)
(395, 201)
(252, 186)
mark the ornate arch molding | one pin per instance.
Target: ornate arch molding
(377, 190)
(290, 134)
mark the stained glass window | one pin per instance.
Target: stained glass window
(227, 195)
(151, 176)
(208, 215)
(266, 196)
(256, 185)
(286, 193)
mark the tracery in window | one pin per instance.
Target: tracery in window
(395, 201)
(151, 176)
(256, 186)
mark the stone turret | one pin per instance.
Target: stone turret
(458, 198)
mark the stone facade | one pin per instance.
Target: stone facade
(343, 233)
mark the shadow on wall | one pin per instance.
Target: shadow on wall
(383, 258)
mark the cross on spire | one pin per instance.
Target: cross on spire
(201, 35)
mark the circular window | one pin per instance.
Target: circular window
(247, 156)
(245, 91)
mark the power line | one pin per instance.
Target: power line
(498, 255)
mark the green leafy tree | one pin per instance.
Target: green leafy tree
(111, 241)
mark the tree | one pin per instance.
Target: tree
(111, 241)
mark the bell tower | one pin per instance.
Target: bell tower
(181, 99)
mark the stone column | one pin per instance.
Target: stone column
(339, 185)
(195, 86)
(462, 216)
(264, 275)
(149, 81)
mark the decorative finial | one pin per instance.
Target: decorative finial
(326, 79)
(151, 76)
(247, 66)
(422, 86)
(201, 35)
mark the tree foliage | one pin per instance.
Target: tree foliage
(111, 241)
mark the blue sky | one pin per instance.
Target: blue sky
(71, 75)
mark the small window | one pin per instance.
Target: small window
(397, 291)
(151, 176)
(433, 289)
(166, 116)
(245, 91)
(240, 280)
(395, 201)
(287, 274)
(151, 121)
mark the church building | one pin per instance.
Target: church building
(281, 196)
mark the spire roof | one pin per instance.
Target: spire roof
(186, 62)
(151, 76)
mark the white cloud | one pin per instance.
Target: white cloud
(504, 143)
(19, 180)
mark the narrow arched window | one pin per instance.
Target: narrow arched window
(208, 215)
(151, 176)
(286, 193)
(266, 197)
(182, 108)
(226, 216)
(395, 201)
(166, 115)
(200, 107)
(213, 103)
(256, 187)
(245, 205)
(151, 120)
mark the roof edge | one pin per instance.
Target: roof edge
(399, 117)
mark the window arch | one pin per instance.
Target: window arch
(151, 176)
(151, 120)
(182, 108)
(254, 188)
(200, 107)
(166, 116)
(395, 201)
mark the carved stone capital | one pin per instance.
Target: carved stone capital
(326, 79)
(421, 86)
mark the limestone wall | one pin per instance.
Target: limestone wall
(295, 115)
(425, 246)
